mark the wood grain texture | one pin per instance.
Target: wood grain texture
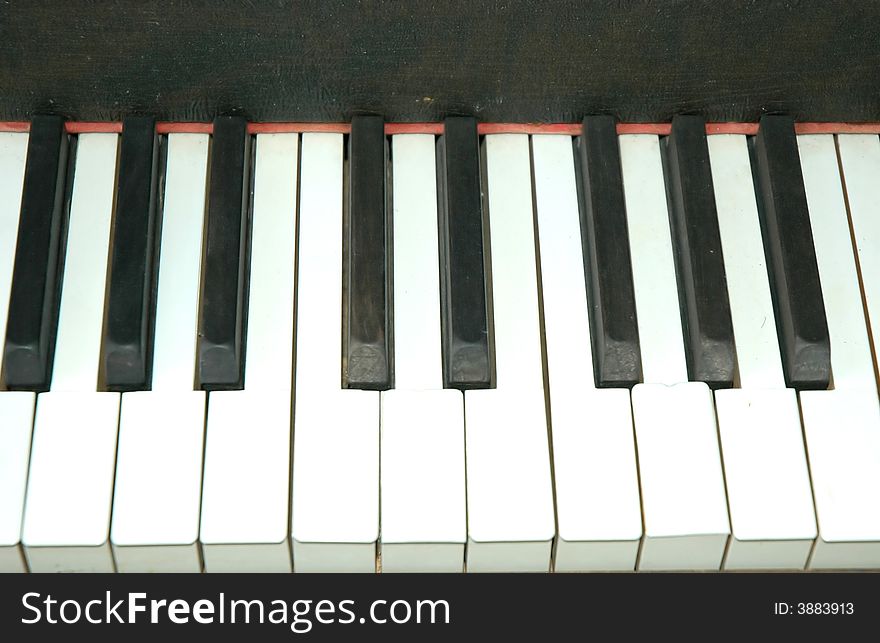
(498, 60)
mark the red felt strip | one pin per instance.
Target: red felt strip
(413, 128)
(184, 128)
(837, 128)
(81, 127)
(281, 128)
(569, 129)
(732, 128)
(15, 126)
(660, 129)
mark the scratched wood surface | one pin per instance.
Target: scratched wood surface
(420, 60)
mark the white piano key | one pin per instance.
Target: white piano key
(16, 409)
(842, 426)
(245, 497)
(335, 513)
(851, 363)
(683, 498)
(842, 429)
(319, 298)
(860, 162)
(759, 364)
(180, 259)
(269, 363)
(511, 521)
(158, 482)
(518, 362)
(159, 468)
(70, 485)
(424, 520)
(16, 422)
(335, 499)
(13, 154)
(423, 496)
(768, 484)
(653, 264)
(418, 360)
(245, 500)
(597, 489)
(686, 523)
(81, 312)
(510, 505)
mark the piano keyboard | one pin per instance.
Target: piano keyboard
(443, 351)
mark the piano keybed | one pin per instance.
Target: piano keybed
(447, 347)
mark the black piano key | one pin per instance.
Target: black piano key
(702, 282)
(222, 305)
(367, 355)
(791, 257)
(467, 363)
(617, 360)
(129, 315)
(36, 280)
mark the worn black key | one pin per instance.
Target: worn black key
(222, 306)
(33, 301)
(467, 363)
(617, 359)
(791, 257)
(130, 303)
(366, 335)
(702, 281)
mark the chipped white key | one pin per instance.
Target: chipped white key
(597, 489)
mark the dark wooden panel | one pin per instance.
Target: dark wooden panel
(552, 60)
